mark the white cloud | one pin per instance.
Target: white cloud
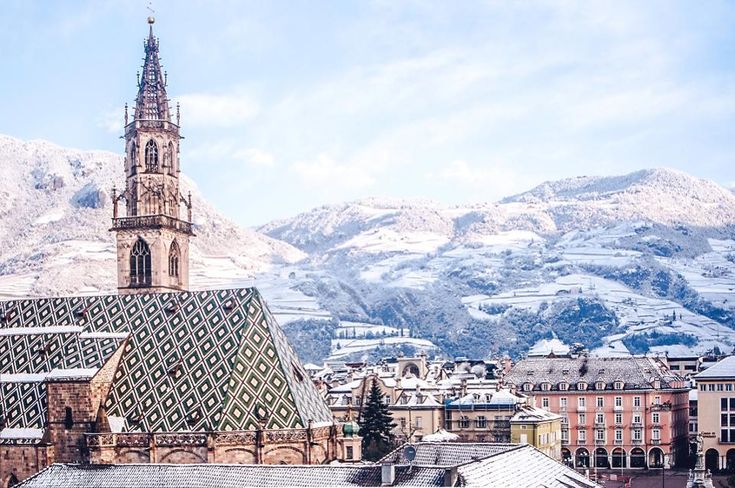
(208, 110)
(491, 180)
(255, 157)
(325, 172)
(112, 121)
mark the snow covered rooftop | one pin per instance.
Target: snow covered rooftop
(724, 369)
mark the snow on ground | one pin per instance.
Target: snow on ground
(379, 240)
(52, 216)
(360, 329)
(344, 347)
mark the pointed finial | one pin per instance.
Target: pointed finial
(178, 113)
(126, 113)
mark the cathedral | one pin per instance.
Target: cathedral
(155, 373)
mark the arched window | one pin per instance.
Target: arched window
(140, 264)
(173, 260)
(170, 155)
(133, 158)
(151, 157)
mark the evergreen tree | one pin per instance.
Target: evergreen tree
(376, 426)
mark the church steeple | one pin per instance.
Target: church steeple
(153, 238)
(152, 101)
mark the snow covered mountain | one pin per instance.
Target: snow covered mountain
(55, 213)
(639, 262)
(636, 262)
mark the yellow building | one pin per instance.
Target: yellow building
(716, 414)
(539, 428)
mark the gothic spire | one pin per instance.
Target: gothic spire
(152, 101)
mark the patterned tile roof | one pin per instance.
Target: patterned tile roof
(634, 372)
(225, 476)
(54, 339)
(211, 360)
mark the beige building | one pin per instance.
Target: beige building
(716, 414)
(539, 428)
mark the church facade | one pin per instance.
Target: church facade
(156, 373)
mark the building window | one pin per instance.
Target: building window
(637, 435)
(600, 419)
(581, 385)
(68, 418)
(563, 402)
(618, 401)
(657, 400)
(619, 435)
(637, 418)
(545, 402)
(656, 434)
(173, 260)
(582, 419)
(481, 422)
(545, 386)
(464, 422)
(600, 434)
(618, 418)
(600, 385)
(419, 422)
(720, 387)
(728, 387)
(563, 386)
(527, 386)
(403, 423)
(600, 402)
(711, 387)
(703, 387)
(655, 417)
(140, 264)
(618, 385)
(350, 452)
(581, 402)
(565, 436)
(637, 401)
(151, 157)
(582, 435)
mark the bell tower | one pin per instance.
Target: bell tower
(153, 236)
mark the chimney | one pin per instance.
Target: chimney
(388, 474)
(450, 476)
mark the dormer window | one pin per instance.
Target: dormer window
(600, 385)
(546, 386)
(563, 386)
(582, 385)
(527, 386)
(619, 385)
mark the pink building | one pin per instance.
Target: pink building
(616, 411)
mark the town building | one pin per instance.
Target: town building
(427, 465)
(616, 411)
(716, 414)
(539, 428)
(156, 373)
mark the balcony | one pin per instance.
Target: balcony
(599, 442)
(636, 425)
(581, 408)
(617, 408)
(637, 442)
(152, 221)
(656, 442)
(618, 442)
(599, 425)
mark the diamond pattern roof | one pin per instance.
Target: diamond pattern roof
(211, 360)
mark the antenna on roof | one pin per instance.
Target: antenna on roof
(409, 452)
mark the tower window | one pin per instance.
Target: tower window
(140, 264)
(133, 158)
(170, 157)
(173, 260)
(68, 418)
(151, 157)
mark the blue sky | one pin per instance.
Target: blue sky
(291, 104)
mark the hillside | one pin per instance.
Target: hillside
(640, 262)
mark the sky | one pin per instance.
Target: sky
(287, 105)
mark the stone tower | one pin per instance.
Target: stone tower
(153, 236)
